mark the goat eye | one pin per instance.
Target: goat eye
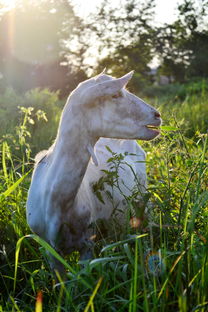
(117, 95)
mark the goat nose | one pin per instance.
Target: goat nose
(157, 115)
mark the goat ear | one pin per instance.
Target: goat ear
(105, 88)
(111, 87)
(100, 74)
(103, 72)
(125, 79)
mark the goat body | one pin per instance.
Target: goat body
(61, 203)
(131, 173)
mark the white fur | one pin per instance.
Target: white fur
(61, 204)
(133, 164)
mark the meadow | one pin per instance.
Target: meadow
(159, 263)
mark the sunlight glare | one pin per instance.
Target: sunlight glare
(8, 3)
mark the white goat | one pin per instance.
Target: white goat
(61, 205)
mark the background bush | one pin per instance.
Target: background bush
(43, 109)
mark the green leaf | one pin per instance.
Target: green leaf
(105, 260)
(4, 151)
(168, 128)
(99, 196)
(14, 186)
(113, 245)
(108, 149)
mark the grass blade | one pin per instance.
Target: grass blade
(90, 303)
(171, 270)
(14, 186)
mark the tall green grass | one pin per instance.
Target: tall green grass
(162, 267)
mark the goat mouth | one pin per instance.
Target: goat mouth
(153, 128)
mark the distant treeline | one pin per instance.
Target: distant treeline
(46, 44)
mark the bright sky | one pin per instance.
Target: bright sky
(8, 3)
(165, 9)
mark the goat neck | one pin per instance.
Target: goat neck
(73, 148)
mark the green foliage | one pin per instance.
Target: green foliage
(136, 201)
(186, 103)
(180, 91)
(37, 112)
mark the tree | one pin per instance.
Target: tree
(125, 38)
(182, 45)
(31, 45)
(194, 19)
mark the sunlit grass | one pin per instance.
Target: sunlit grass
(163, 268)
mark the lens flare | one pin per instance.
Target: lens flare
(154, 263)
(10, 4)
(135, 222)
(32, 34)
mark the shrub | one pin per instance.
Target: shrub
(43, 116)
